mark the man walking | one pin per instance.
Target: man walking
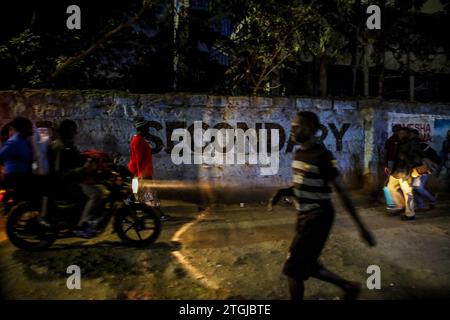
(314, 168)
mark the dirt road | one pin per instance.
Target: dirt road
(234, 252)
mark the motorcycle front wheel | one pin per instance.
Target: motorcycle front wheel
(137, 226)
(24, 231)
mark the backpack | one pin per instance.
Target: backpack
(101, 163)
(101, 159)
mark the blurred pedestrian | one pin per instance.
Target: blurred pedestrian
(314, 168)
(431, 162)
(408, 155)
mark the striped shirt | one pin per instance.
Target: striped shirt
(312, 170)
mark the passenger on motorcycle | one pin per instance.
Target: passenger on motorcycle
(68, 169)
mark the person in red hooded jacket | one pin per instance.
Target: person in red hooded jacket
(141, 158)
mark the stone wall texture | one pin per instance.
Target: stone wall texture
(354, 130)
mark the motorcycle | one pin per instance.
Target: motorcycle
(136, 223)
(6, 200)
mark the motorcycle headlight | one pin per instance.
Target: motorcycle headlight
(135, 185)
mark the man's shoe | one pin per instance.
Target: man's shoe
(395, 211)
(405, 218)
(431, 206)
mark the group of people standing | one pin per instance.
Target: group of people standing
(409, 162)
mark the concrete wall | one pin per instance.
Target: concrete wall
(353, 130)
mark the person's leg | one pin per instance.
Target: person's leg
(416, 184)
(150, 197)
(94, 196)
(407, 190)
(294, 267)
(424, 193)
(397, 197)
(296, 288)
(351, 288)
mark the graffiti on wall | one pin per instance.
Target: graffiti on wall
(338, 133)
(161, 132)
(106, 123)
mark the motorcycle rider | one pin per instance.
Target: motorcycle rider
(17, 157)
(68, 168)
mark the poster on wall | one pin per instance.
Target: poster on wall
(424, 123)
(432, 128)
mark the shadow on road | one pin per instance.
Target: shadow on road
(98, 260)
(102, 257)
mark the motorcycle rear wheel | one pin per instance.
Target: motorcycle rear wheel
(23, 230)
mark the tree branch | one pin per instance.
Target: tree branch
(98, 45)
(265, 74)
